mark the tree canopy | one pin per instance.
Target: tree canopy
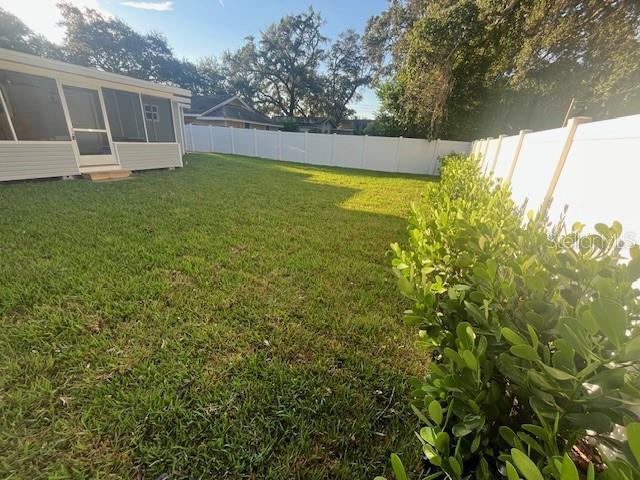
(290, 70)
(470, 68)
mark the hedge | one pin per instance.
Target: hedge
(534, 337)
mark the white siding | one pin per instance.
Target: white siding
(22, 160)
(143, 156)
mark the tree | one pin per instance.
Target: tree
(111, 45)
(210, 77)
(15, 35)
(468, 68)
(347, 70)
(279, 73)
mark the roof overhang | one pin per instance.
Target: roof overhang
(182, 95)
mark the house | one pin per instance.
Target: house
(309, 124)
(60, 120)
(353, 126)
(226, 111)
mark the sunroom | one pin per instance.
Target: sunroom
(63, 120)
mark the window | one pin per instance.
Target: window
(247, 125)
(157, 117)
(151, 113)
(124, 115)
(33, 106)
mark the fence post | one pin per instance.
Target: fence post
(495, 156)
(211, 139)
(306, 147)
(573, 126)
(397, 159)
(516, 155)
(193, 146)
(279, 144)
(484, 153)
(233, 141)
(363, 160)
(333, 148)
(435, 157)
(255, 142)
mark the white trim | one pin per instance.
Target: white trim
(84, 82)
(67, 117)
(9, 120)
(91, 130)
(90, 160)
(144, 119)
(32, 60)
(229, 100)
(146, 143)
(34, 142)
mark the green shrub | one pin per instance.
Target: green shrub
(534, 337)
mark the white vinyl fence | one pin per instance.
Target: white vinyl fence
(591, 167)
(384, 154)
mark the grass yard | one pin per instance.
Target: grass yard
(236, 318)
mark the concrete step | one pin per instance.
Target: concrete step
(107, 175)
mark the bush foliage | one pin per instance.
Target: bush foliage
(534, 337)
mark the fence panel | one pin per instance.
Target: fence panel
(267, 144)
(386, 154)
(347, 151)
(415, 155)
(293, 147)
(200, 137)
(320, 148)
(537, 162)
(222, 141)
(589, 169)
(243, 142)
(599, 181)
(382, 153)
(505, 156)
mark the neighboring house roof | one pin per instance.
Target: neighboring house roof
(353, 123)
(306, 121)
(202, 103)
(218, 107)
(181, 94)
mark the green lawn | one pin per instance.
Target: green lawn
(236, 318)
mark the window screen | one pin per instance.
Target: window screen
(34, 107)
(157, 117)
(124, 115)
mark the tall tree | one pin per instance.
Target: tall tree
(347, 70)
(279, 72)
(15, 35)
(466, 68)
(110, 44)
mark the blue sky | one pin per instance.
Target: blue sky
(197, 28)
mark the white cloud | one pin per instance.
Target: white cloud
(157, 6)
(42, 16)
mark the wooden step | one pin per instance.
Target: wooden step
(107, 175)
